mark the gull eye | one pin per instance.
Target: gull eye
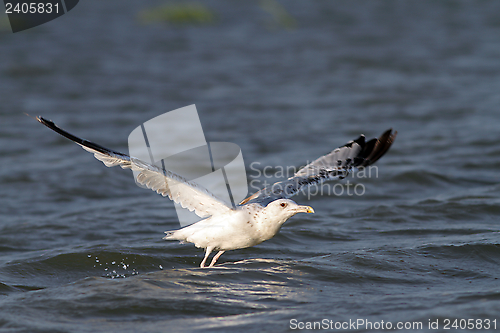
(283, 204)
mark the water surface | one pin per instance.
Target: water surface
(80, 244)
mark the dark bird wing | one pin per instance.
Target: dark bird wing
(335, 165)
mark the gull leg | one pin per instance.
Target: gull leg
(215, 258)
(207, 253)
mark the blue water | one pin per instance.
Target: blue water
(80, 244)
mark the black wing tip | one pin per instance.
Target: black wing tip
(89, 144)
(50, 124)
(389, 136)
(380, 147)
(388, 133)
(361, 140)
(46, 122)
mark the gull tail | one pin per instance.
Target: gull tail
(173, 235)
(170, 235)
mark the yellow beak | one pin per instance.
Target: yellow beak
(305, 209)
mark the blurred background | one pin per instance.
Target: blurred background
(288, 81)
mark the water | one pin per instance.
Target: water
(80, 244)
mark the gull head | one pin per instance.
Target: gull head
(283, 209)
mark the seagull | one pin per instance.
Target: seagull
(255, 219)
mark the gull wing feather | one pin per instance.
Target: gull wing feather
(188, 194)
(335, 165)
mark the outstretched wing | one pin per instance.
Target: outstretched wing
(335, 165)
(186, 193)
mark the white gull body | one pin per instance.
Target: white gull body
(257, 218)
(242, 227)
